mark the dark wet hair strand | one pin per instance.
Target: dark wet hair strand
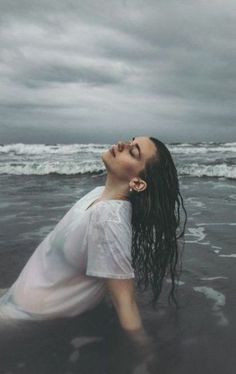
(156, 221)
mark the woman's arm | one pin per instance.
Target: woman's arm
(122, 293)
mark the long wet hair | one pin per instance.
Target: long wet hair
(156, 224)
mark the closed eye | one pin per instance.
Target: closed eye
(138, 148)
(133, 154)
(138, 156)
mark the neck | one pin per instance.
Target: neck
(115, 190)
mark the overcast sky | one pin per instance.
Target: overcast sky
(99, 71)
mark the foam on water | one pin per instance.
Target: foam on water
(216, 223)
(198, 170)
(49, 167)
(194, 160)
(195, 203)
(197, 233)
(179, 283)
(232, 255)
(219, 303)
(63, 149)
(213, 278)
(204, 149)
(79, 342)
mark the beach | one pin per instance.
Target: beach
(199, 337)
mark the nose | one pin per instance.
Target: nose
(121, 145)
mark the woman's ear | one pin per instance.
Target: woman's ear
(138, 184)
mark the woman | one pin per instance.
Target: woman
(127, 227)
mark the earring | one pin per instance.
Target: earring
(130, 189)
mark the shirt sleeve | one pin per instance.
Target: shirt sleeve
(109, 250)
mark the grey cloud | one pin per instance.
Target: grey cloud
(121, 64)
(65, 74)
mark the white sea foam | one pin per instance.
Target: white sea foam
(75, 355)
(216, 223)
(213, 278)
(195, 203)
(64, 149)
(197, 234)
(69, 167)
(184, 148)
(202, 149)
(197, 160)
(47, 167)
(179, 283)
(200, 170)
(80, 341)
(232, 255)
(233, 144)
(219, 303)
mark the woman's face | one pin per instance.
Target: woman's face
(129, 157)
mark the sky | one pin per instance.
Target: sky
(95, 71)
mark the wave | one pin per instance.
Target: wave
(67, 149)
(94, 167)
(197, 159)
(230, 148)
(197, 170)
(53, 167)
(64, 149)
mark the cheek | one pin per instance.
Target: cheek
(128, 167)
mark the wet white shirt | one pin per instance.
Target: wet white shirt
(65, 275)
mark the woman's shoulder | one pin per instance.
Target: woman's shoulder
(112, 210)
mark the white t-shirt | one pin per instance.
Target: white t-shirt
(64, 277)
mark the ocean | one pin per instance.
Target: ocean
(40, 183)
(194, 160)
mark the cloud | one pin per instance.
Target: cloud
(120, 67)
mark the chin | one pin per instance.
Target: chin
(106, 159)
(104, 156)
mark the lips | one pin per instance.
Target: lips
(112, 150)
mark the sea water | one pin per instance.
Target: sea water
(40, 183)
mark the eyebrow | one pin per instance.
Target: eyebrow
(140, 154)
